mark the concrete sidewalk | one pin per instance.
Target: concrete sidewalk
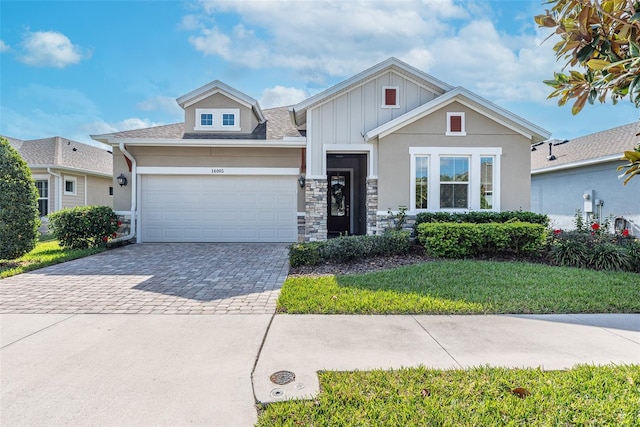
(305, 344)
(151, 370)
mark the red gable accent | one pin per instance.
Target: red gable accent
(455, 124)
(390, 97)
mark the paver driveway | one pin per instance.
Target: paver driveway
(179, 278)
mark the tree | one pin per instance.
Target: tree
(19, 217)
(602, 39)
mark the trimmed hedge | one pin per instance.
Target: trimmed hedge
(349, 248)
(461, 240)
(478, 217)
(84, 226)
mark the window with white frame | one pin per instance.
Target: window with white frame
(455, 124)
(390, 97)
(455, 178)
(213, 119)
(42, 185)
(69, 186)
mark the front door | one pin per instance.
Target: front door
(339, 198)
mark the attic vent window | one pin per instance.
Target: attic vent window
(390, 97)
(455, 124)
(206, 119)
(215, 119)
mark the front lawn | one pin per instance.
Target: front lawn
(44, 254)
(464, 287)
(584, 395)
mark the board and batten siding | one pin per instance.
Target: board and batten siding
(345, 118)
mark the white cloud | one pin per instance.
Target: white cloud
(51, 49)
(4, 47)
(279, 95)
(166, 104)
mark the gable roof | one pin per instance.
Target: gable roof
(437, 86)
(603, 146)
(58, 152)
(217, 86)
(471, 100)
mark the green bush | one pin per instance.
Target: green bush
(19, 217)
(608, 256)
(453, 240)
(569, 252)
(84, 226)
(481, 217)
(349, 248)
(599, 251)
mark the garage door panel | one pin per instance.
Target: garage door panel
(218, 208)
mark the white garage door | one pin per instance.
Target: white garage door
(203, 208)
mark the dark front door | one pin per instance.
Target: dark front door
(339, 218)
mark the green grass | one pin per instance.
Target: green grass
(464, 287)
(44, 254)
(583, 396)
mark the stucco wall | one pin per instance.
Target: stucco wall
(558, 194)
(394, 181)
(98, 191)
(202, 157)
(248, 120)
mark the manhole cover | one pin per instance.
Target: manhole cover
(282, 377)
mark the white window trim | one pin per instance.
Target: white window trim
(463, 132)
(384, 97)
(45, 179)
(434, 154)
(467, 183)
(75, 186)
(217, 119)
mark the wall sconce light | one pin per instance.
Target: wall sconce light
(122, 180)
(301, 181)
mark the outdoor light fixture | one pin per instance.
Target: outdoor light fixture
(122, 180)
(301, 181)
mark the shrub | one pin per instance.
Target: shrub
(349, 248)
(569, 252)
(607, 256)
(84, 226)
(451, 240)
(481, 217)
(19, 217)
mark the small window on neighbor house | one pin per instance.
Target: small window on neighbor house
(455, 124)
(111, 191)
(43, 196)
(390, 94)
(70, 186)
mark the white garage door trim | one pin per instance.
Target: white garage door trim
(215, 170)
(218, 208)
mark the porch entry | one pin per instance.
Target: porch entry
(346, 198)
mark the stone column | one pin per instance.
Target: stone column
(316, 210)
(372, 206)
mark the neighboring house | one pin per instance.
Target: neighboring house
(67, 173)
(333, 164)
(580, 174)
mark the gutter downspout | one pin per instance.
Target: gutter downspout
(58, 204)
(134, 187)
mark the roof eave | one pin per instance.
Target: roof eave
(222, 143)
(71, 169)
(580, 163)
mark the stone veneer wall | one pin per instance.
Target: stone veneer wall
(315, 221)
(385, 222)
(372, 206)
(301, 228)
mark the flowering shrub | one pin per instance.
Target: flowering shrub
(84, 226)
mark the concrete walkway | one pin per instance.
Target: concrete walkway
(149, 370)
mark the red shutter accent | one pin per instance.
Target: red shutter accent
(455, 124)
(303, 161)
(126, 159)
(389, 97)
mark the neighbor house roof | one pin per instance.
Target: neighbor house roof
(278, 127)
(436, 86)
(58, 152)
(518, 124)
(607, 145)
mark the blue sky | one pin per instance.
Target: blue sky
(75, 68)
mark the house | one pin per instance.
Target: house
(333, 164)
(67, 173)
(580, 174)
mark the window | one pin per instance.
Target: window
(69, 186)
(206, 119)
(214, 119)
(455, 178)
(455, 124)
(421, 182)
(454, 182)
(486, 182)
(43, 196)
(390, 97)
(111, 191)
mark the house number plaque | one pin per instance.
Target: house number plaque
(218, 170)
